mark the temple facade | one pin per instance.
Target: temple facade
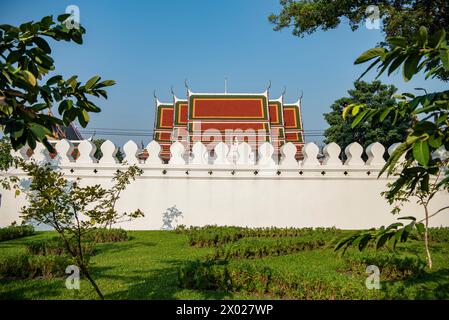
(228, 117)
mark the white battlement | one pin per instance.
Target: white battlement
(231, 188)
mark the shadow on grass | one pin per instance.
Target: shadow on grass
(161, 284)
(430, 285)
(31, 289)
(112, 247)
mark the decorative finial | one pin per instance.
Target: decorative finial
(226, 85)
(185, 84)
(269, 85)
(171, 90)
(154, 94)
(284, 91)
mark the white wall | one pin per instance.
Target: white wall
(322, 196)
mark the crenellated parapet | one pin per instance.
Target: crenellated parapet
(238, 159)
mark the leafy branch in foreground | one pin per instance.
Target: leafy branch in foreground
(396, 232)
(24, 60)
(419, 163)
(74, 211)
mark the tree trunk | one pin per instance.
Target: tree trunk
(94, 284)
(426, 238)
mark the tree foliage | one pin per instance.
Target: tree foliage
(419, 163)
(400, 17)
(98, 154)
(25, 59)
(377, 96)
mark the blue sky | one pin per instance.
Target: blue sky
(153, 45)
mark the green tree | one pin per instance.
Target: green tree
(6, 162)
(399, 17)
(74, 210)
(98, 154)
(24, 96)
(377, 96)
(418, 164)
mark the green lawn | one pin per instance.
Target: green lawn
(146, 268)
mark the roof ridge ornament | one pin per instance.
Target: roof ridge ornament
(156, 100)
(284, 91)
(269, 85)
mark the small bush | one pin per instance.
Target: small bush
(55, 246)
(102, 235)
(392, 265)
(33, 266)
(213, 236)
(258, 247)
(256, 279)
(14, 232)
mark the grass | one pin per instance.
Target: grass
(146, 267)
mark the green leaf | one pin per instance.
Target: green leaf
(382, 240)
(91, 82)
(435, 142)
(369, 54)
(422, 35)
(54, 80)
(394, 158)
(444, 56)
(355, 110)
(421, 152)
(83, 118)
(359, 118)
(64, 106)
(420, 227)
(407, 218)
(39, 131)
(437, 38)
(396, 63)
(346, 110)
(106, 83)
(411, 66)
(63, 17)
(41, 43)
(397, 41)
(29, 77)
(384, 114)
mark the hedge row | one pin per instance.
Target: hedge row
(213, 236)
(33, 266)
(257, 248)
(261, 280)
(439, 235)
(13, 232)
(392, 265)
(55, 246)
(103, 235)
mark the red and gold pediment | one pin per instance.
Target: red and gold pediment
(227, 107)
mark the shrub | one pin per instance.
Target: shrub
(13, 232)
(440, 234)
(258, 248)
(102, 235)
(212, 236)
(33, 266)
(256, 279)
(55, 246)
(392, 265)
